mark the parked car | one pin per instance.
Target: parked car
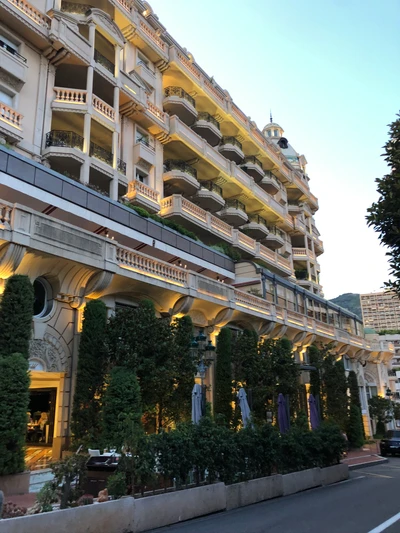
(391, 443)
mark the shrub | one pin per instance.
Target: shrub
(14, 401)
(16, 311)
(116, 485)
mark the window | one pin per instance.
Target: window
(142, 137)
(141, 176)
(43, 298)
(6, 98)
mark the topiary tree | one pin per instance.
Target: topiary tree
(16, 311)
(122, 410)
(223, 377)
(384, 215)
(86, 418)
(14, 402)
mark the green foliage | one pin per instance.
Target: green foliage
(335, 387)
(14, 401)
(355, 430)
(16, 311)
(384, 215)
(116, 485)
(121, 408)
(69, 478)
(223, 377)
(349, 301)
(86, 418)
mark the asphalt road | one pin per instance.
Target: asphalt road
(360, 505)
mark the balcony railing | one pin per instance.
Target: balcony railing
(100, 153)
(64, 139)
(254, 160)
(258, 220)
(102, 107)
(12, 51)
(237, 204)
(9, 114)
(181, 93)
(71, 96)
(203, 115)
(211, 186)
(103, 61)
(231, 140)
(121, 166)
(174, 164)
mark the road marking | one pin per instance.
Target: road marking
(376, 475)
(386, 524)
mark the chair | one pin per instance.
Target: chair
(94, 453)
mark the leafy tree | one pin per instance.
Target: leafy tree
(384, 215)
(14, 401)
(86, 418)
(16, 311)
(335, 386)
(380, 409)
(122, 409)
(223, 377)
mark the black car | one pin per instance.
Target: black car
(391, 443)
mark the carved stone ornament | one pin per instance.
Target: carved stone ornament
(47, 355)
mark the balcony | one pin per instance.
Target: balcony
(231, 148)
(209, 197)
(208, 128)
(70, 100)
(269, 183)
(10, 123)
(12, 62)
(180, 178)
(234, 212)
(178, 102)
(144, 196)
(253, 167)
(101, 154)
(256, 227)
(143, 152)
(146, 74)
(275, 238)
(105, 63)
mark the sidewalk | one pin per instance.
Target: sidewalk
(367, 455)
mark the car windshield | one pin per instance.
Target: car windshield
(393, 434)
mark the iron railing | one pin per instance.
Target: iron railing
(66, 139)
(175, 164)
(178, 91)
(203, 115)
(231, 140)
(121, 165)
(106, 63)
(100, 153)
(237, 204)
(252, 159)
(211, 186)
(11, 50)
(258, 220)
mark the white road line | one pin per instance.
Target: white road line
(386, 524)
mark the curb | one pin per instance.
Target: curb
(379, 461)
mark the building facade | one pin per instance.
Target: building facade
(105, 122)
(381, 310)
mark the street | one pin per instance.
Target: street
(363, 504)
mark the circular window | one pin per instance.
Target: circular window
(43, 298)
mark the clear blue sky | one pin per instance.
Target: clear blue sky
(329, 70)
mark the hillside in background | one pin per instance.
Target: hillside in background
(349, 301)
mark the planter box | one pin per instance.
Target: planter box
(303, 480)
(334, 474)
(253, 491)
(166, 509)
(15, 484)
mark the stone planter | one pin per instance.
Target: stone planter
(15, 483)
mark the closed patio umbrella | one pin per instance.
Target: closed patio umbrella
(314, 416)
(283, 419)
(196, 403)
(244, 406)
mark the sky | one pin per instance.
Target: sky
(329, 71)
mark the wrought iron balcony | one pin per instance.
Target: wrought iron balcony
(12, 51)
(181, 93)
(231, 140)
(121, 165)
(64, 139)
(106, 63)
(175, 164)
(100, 153)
